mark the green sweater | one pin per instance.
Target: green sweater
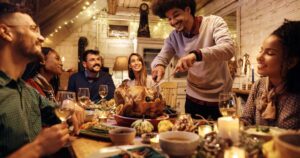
(22, 111)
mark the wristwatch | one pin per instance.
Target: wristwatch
(198, 54)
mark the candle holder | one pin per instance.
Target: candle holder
(155, 142)
(229, 128)
(101, 115)
(234, 152)
(203, 130)
(147, 136)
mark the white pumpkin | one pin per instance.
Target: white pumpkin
(142, 126)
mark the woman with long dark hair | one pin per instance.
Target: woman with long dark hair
(275, 98)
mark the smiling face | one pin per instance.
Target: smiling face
(25, 36)
(270, 58)
(135, 63)
(53, 64)
(180, 19)
(92, 63)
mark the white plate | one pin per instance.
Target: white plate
(273, 131)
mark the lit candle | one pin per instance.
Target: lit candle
(229, 128)
(155, 141)
(234, 152)
(63, 59)
(102, 115)
(247, 73)
(244, 64)
(216, 128)
(252, 68)
(203, 130)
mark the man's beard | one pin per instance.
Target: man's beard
(29, 53)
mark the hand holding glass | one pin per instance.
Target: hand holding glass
(66, 105)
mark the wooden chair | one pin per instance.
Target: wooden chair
(169, 92)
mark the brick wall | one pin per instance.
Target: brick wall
(258, 18)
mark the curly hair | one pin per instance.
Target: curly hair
(289, 35)
(160, 7)
(33, 68)
(143, 72)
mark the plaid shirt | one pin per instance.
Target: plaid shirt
(287, 109)
(22, 111)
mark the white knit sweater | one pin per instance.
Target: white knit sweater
(207, 78)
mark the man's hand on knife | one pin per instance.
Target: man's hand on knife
(158, 73)
(185, 63)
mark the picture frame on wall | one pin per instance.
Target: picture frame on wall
(118, 31)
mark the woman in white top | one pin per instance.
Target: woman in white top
(136, 70)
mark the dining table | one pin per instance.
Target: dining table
(83, 146)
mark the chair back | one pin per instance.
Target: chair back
(169, 92)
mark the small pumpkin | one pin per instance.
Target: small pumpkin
(142, 126)
(165, 125)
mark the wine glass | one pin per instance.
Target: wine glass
(83, 96)
(227, 104)
(65, 105)
(103, 91)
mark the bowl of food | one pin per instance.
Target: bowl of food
(178, 143)
(122, 135)
(288, 144)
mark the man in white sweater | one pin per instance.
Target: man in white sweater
(203, 46)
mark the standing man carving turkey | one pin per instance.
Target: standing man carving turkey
(203, 46)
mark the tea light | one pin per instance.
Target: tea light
(102, 115)
(147, 136)
(234, 152)
(229, 128)
(155, 141)
(203, 130)
(216, 128)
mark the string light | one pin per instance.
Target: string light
(87, 10)
(159, 30)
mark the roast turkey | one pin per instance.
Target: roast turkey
(138, 102)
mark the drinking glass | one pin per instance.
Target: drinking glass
(83, 95)
(65, 105)
(227, 104)
(103, 91)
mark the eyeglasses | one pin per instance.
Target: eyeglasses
(34, 28)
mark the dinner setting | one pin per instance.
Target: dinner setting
(149, 79)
